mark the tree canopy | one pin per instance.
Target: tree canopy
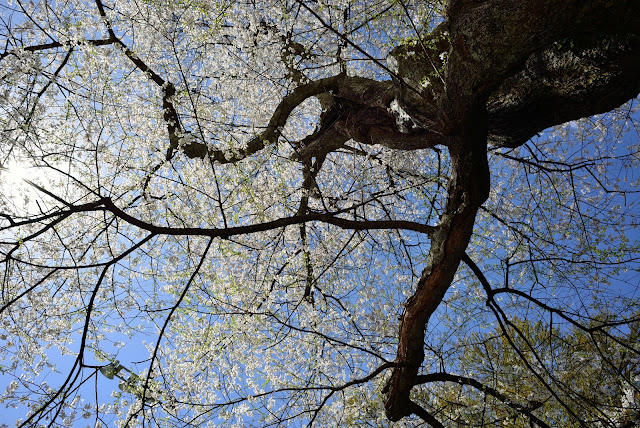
(330, 213)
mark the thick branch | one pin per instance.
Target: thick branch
(573, 78)
(490, 42)
(423, 414)
(468, 189)
(227, 232)
(272, 132)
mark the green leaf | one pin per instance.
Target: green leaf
(111, 370)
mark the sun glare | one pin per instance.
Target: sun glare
(16, 172)
(14, 183)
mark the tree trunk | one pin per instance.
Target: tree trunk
(468, 189)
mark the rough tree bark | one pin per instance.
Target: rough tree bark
(512, 68)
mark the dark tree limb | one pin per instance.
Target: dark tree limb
(490, 42)
(464, 380)
(468, 189)
(423, 414)
(571, 79)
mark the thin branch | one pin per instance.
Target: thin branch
(463, 380)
